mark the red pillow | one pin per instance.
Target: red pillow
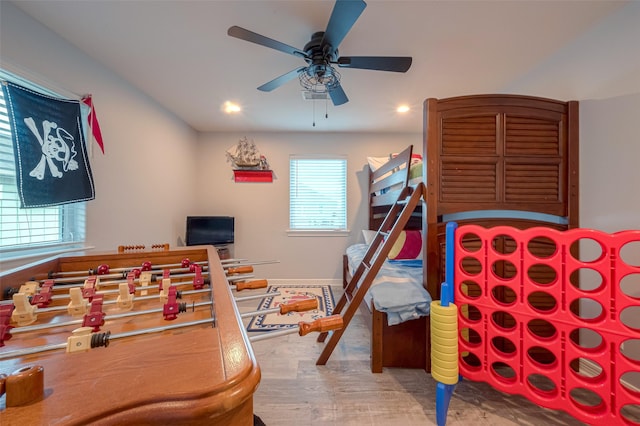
(407, 246)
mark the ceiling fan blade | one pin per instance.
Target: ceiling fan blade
(345, 13)
(279, 81)
(378, 63)
(338, 97)
(244, 34)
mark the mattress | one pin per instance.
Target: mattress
(397, 289)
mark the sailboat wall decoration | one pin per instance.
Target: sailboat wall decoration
(247, 162)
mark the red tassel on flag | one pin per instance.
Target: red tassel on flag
(93, 122)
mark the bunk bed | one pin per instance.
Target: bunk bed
(489, 160)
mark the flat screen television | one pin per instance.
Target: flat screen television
(209, 230)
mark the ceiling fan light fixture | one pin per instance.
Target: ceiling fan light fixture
(319, 78)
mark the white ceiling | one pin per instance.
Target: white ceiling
(179, 53)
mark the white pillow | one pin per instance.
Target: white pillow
(376, 162)
(368, 235)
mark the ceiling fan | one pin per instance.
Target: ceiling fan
(321, 53)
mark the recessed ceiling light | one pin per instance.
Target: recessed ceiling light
(403, 108)
(231, 108)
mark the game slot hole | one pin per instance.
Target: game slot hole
(542, 329)
(630, 317)
(586, 279)
(503, 372)
(470, 312)
(503, 320)
(630, 285)
(630, 349)
(588, 370)
(471, 361)
(542, 302)
(631, 413)
(471, 336)
(503, 295)
(471, 242)
(587, 400)
(471, 266)
(503, 346)
(542, 357)
(631, 381)
(586, 250)
(630, 253)
(587, 339)
(542, 385)
(587, 309)
(471, 289)
(504, 244)
(503, 269)
(542, 247)
(542, 274)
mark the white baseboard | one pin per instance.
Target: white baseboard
(590, 369)
(293, 281)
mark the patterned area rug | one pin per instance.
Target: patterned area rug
(292, 293)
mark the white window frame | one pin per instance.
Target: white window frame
(37, 232)
(333, 179)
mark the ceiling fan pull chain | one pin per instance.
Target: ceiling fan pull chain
(314, 112)
(326, 108)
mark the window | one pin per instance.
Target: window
(318, 193)
(31, 231)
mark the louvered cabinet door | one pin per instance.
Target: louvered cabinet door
(502, 158)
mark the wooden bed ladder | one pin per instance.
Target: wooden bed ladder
(389, 231)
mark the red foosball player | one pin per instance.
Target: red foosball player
(5, 319)
(95, 317)
(171, 309)
(43, 297)
(198, 281)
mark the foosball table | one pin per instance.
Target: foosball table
(141, 337)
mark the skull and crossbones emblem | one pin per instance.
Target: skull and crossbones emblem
(58, 148)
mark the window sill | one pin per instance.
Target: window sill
(318, 232)
(10, 259)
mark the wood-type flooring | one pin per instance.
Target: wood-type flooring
(294, 391)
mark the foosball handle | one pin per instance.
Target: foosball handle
(333, 322)
(240, 270)
(299, 306)
(25, 386)
(250, 285)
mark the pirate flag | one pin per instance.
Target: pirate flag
(52, 166)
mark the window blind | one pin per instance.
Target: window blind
(35, 227)
(318, 193)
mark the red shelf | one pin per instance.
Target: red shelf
(253, 175)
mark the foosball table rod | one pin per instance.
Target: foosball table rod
(321, 325)
(115, 302)
(226, 263)
(257, 296)
(137, 289)
(240, 277)
(298, 306)
(104, 269)
(154, 277)
(28, 328)
(83, 339)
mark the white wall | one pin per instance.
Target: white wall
(261, 210)
(145, 182)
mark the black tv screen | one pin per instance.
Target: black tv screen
(209, 230)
